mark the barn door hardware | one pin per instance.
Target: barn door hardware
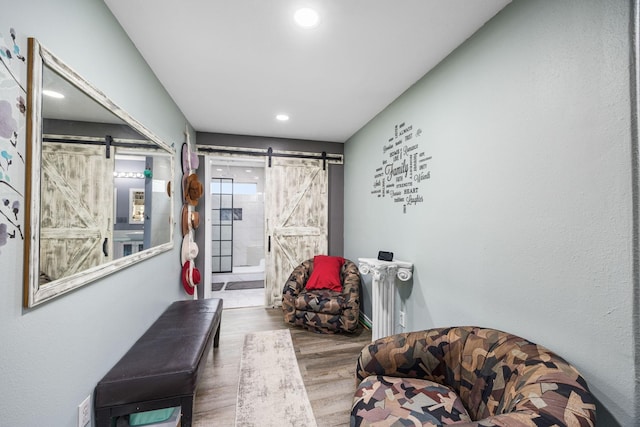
(108, 140)
(270, 154)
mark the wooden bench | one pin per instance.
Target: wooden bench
(163, 367)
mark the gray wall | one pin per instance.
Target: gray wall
(526, 223)
(336, 173)
(52, 356)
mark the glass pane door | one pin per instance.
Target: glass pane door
(222, 225)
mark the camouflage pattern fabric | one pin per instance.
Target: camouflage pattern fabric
(413, 400)
(501, 379)
(322, 310)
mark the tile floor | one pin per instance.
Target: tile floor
(240, 298)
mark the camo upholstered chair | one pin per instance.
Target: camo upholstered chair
(467, 376)
(323, 310)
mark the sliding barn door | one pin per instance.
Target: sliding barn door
(296, 215)
(76, 208)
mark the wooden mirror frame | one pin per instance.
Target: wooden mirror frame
(34, 292)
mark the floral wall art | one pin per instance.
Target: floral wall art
(12, 137)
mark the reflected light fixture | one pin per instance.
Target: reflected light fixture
(52, 93)
(282, 117)
(128, 175)
(306, 17)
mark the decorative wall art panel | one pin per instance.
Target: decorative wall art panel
(404, 169)
(12, 137)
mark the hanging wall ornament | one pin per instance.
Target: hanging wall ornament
(189, 250)
(193, 190)
(185, 220)
(185, 158)
(189, 159)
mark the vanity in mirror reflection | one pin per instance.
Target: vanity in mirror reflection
(98, 183)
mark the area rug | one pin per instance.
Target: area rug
(270, 389)
(251, 284)
(234, 286)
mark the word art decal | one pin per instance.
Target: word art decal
(404, 168)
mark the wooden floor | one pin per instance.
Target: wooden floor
(326, 362)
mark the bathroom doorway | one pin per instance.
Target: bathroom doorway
(236, 231)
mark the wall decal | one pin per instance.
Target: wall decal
(12, 137)
(404, 168)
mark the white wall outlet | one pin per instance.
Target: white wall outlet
(84, 412)
(402, 319)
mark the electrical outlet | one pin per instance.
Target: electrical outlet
(402, 319)
(84, 412)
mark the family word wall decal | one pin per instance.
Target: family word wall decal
(404, 168)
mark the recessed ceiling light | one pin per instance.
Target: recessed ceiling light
(282, 117)
(247, 170)
(52, 93)
(306, 17)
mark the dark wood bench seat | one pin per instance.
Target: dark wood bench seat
(163, 367)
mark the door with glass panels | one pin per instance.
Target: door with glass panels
(222, 225)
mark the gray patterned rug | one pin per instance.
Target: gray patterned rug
(270, 389)
(234, 286)
(251, 284)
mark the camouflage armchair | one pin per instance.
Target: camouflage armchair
(322, 310)
(469, 376)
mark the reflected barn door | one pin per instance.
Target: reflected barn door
(296, 217)
(76, 210)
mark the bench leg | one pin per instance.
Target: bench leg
(216, 338)
(187, 411)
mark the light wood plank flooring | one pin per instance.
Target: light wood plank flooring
(327, 364)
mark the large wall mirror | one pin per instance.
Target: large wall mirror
(99, 193)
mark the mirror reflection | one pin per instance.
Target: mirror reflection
(100, 183)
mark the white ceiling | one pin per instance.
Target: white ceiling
(232, 65)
